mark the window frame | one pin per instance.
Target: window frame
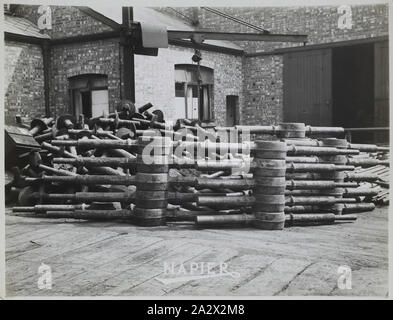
(93, 82)
(207, 75)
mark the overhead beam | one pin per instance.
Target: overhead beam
(86, 38)
(235, 36)
(116, 34)
(206, 47)
(227, 16)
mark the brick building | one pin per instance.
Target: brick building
(339, 78)
(90, 70)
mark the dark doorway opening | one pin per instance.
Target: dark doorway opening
(232, 111)
(86, 103)
(353, 88)
(345, 86)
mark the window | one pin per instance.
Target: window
(89, 95)
(190, 104)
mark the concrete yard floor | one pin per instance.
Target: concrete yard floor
(113, 258)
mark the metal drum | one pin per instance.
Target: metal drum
(269, 186)
(270, 150)
(151, 199)
(152, 180)
(269, 176)
(149, 217)
(269, 203)
(269, 168)
(269, 220)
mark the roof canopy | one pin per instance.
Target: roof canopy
(149, 15)
(22, 26)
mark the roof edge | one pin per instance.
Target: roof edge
(318, 46)
(10, 36)
(100, 17)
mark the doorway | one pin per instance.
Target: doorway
(353, 88)
(232, 111)
(344, 86)
(86, 103)
(307, 87)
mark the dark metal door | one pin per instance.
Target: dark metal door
(232, 118)
(307, 87)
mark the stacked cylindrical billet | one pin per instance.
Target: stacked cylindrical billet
(152, 181)
(269, 189)
(296, 133)
(290, 219)
(337, 176)
(289, 133)
(110, 142)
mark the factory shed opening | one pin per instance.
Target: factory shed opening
(353, 86)
(339, 85)
(360, 74)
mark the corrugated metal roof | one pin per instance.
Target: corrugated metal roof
(149, 15)
(23, 27)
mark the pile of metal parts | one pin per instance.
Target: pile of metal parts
(131, 165)
(381, 185)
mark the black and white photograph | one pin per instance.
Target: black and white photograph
(191, 151)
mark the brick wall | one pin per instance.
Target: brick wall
(263, 76)
(263, 85)
(257, 80)
(263, 90)
(66, 21)
(155, 79)
(96, 57)
(154, 76)
(319, 23)
(23, 81)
